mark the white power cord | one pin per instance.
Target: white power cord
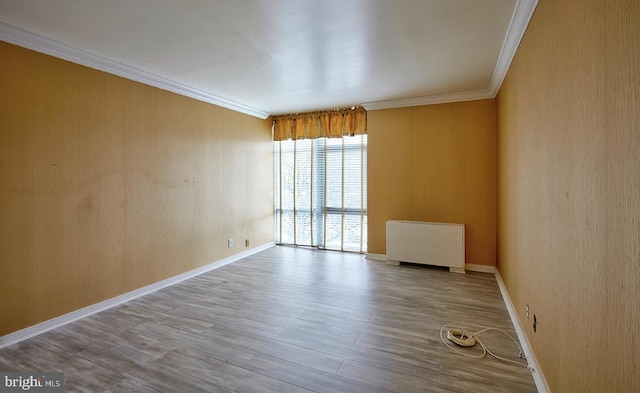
(465, 338)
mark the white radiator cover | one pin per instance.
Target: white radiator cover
(430, 243)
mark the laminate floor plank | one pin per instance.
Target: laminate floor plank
(196, 343)
(278, 349)
(314, 380)
(391, 380)
(290, 320)
(225, 375)
(410, 362)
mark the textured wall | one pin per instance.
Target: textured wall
(435, 163)
(569, 191)
(107, 185)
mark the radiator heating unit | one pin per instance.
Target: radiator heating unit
(429, 243)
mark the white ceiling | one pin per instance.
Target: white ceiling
(283, 56)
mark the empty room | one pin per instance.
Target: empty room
(314, 196)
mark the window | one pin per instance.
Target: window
(320, 192)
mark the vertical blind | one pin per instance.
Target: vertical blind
(320, 192)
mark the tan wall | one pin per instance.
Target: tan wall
(569, 191)
(435, 163)
(107, 185)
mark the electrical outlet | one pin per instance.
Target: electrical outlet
(527, 311)
(535, 323)
(246, 242)
(230, 243)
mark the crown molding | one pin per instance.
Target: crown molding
(26, 39)
(428, 100)
(517, 27)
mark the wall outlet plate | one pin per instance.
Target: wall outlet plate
(230, 243)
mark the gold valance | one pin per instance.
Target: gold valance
(333, 123)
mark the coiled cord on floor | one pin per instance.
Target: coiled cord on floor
(465, 338)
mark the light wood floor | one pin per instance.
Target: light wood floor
(287, 320)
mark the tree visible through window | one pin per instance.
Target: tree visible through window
(320, 192)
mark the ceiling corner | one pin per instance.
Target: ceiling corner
(522, 14)
(26, 39)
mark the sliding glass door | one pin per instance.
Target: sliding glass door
(320, 193)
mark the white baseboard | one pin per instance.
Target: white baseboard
(376, 257)
(31, 331)
(468, 266)
(538, 376)
(472, 267)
